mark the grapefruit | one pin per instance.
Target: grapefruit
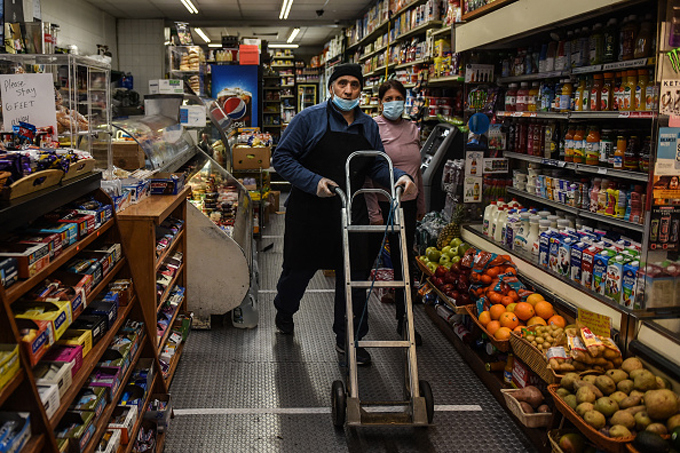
(524, 311)
(536, 321)
(557, 321)
(544, 309)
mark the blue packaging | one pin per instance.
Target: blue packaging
(629, 284)
(553, 255)
(564, 256)
(575, 272)
(600, 267)
(544, 248)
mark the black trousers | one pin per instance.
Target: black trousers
(410, 209)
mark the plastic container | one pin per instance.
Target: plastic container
(607, 92)
(607, 145)
(641, 90)
(593, 146)
(596, 93)
(566, 96)
(644, 38)
(511, 98)
(579, 148)
(631, 156)
(628, 95)
(488, 215)
(579, 94)
(596, 45)
(569, 143)
(628, 34)
(532, 101)
(246, 315)
(522, 100)
(532, 237)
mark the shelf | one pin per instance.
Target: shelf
(616, 66)
(287, 86)
(370, 54)
(485, 9)
(271, 101)
(160, 441)
(288, 108)
(35, 444)
(90, 362)
(271, 88)
(445, 29)
(21, 210)
(539, 160)
(287, 97)
(285, 57)
(538, 76)
(166, 334)
(166, 293)
(370, 88)
(271, 113)
(445, 80)
(140, 417)
(578, 211)
(155, 207)
(377, 70)
(13, 384)
(105, 416)
(409, 85)
(370, 106)
(173, 365)
(166, 253)
(612, 115)
(419, 29)
(282, 66)
(544, 115)
(20, 288)
(370, 36)
(413, 63)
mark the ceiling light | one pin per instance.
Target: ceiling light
(293, 34)
(285, 9)
(202, 34)
(214, 45)
(190, 6)
(283, 46)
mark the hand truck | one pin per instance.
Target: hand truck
(346, 405)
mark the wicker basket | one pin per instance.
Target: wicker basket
(601, 441)
(528, 420)
(4, 176)
(554, 436)
(425, 270)
(534, 359)
(501, 345)
(460, 309)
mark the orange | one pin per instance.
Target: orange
(485, 279)
(510, 270)
(484, 318)
(492, 272)
(507, 300)
(493, 326)
(502, 334)
(511, 307)
(544, 309)
(518, 329)
(514, 295)
(495, 297)
(536, 320)
(524, 311)
(474, 277)
(509, 320)
(496, 311)
(558, 321)
(534, 298)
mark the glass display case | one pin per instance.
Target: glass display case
(187, 63)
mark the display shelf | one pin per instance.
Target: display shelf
(12, 385)
(160, 441)
(378, 70)
(539, 160)
(138, 424)
(271, 88)
(171, 285)
(177, 239)
(22, 210)
(376, 31)
(102, 422)
(282, 66)
(271, 101)
(89, 363)
(166, 334)
(544, 201)
(370, 88)
(156, 207)
(288, 86)
(18, 289)
(543, 115)
(445, 80)
(370, 106)
(489, 7)
(615, 66)
(445, 29)
(370, 54)
(173, 365)
(287, 97)
(612, 115)
(413, 63)
(537, 76)
(289, 107)
(409, 85)
(35, 444)
(419, 29)
(492, 380)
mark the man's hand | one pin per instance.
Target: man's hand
(409, 186)
(323, 189)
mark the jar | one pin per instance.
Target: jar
(596, 93)
(632, 154)
(579, 148)
(593, 146)
(607, 143)
(522, 100)
(511, 98)
(607, 92)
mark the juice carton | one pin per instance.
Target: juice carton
(564, 256)
(614, 277)
(576, 258)
(629, 284)
(553, 257)
(544, 248)
(588, 264)
(600, 266)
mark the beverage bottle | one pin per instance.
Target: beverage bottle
(643, 40)
(550, 57)
(499, 228)
(532, 101)
(521, 143)
(574, 47)
(620, 209)
(629, 33)
(566, 96)
(522, 99)
(548, 144)
(489, 211)
(543, 58)
(593, 146)
(579, 145)
(632, 154)
(511, 98)
(569, 143)
(555, 107)
(563, 54)
(603, 197)
(507, 372)
(596, 44)
(586, 94)
(629, 91)
(641, 90)
(561, 141)
(624, 22)
(611, 41)
(579, 95)
(512, 130)
(607, 143)
(595, 93)
(607, 91)
(533, 233)
(645, 154)
(584, 47)
(494, 220)
(649, 94)
(594, 194)
(619, 152)
(618, 91)
(636, 205)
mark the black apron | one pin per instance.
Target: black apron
(313, 235)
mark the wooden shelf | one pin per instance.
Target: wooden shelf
(166, 334)
(413, 63)
(177, 239)
(140, 418)
(419, 29)
(102, 421)
(445, 80)
(35, 444)
(18, 289)
(164, 297)
(155, 207)
(89, 363)
(160, 441)
(12, 385)
(173, 364)
(486, 9)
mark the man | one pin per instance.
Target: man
(311, 155)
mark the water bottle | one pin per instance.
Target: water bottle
(246, 315)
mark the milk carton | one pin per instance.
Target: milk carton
(544, 248)
(553, 258)
(575, 273)
(564, 256)
(629, 284)
(614, 277)
(588, 264)
(600, 266)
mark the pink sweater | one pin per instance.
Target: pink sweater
(402, 143)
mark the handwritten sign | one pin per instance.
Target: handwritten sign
(598, 324)
(28, 98)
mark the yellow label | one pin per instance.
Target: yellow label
(597, 323)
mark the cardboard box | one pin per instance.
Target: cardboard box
(20, 440)
(125, 418)
(113, 438)
(56, 312)
(9, 271)
(31, 258)
(107, 377)
(166, 183)
(77, 337)
(52, 239)
(49, 396)
(58, 374)
(66, 353)
(166, 86)
(77, 426)
(251, 158)
(104, 308)
(39, 338)
(139, 189)
(98, 325)
(92, 399)
(68, 232)
(10, 364)
(522, 376)
(128, 155)
(274, 201)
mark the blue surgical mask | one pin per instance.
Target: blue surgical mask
(344, 104)
(393, 110)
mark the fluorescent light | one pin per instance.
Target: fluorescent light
(285, 9)
(283, 46)
(214, 45)
(293, 34)
(190, 6)
(202, 34)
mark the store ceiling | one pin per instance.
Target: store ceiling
(259, 18)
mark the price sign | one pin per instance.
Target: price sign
(28, 98)
(597, 323)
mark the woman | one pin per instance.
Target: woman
(400, 138)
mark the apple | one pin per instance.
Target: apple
(444, 259)
(434, 255)
(455, 242)
(440, 272)
(450, 277)
(454, 251)
(465, 298)
(455, 266)
(455, 259)
(447, 265)
(438, 282)
(463, 248)
(455, 294)
(446, 250)
(423, 259)
(432, 266)
(430, 249)
(446, 287)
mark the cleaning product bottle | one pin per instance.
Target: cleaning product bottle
(489, 211)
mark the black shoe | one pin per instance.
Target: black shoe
(363, 357)
(400, 331)
(284, 324)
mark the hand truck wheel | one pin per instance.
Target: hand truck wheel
(426, 392)
(338, 404)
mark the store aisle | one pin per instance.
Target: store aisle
(259, 391)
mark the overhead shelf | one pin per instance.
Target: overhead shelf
(371, 36)
(413, 63)
(419, 29)
(537, 76)
(579, 115)
(445, 80)
(543, 115)
(370, 54)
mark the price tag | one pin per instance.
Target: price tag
(601, 171)
(561, 163)
(597, 323)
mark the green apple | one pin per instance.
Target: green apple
(446, 250)
(455, 259)
(434, 255)
(430, 249)
(462, 248)
(423, 259)
(432, 266)
(455, 251)
(444, 258)
(447, 265)
(455, 242)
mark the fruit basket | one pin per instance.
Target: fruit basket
(554, 436)
(460, 309)
(533, 358)
(528, 420)
(425, 270)
(613, 445)
(501, 345)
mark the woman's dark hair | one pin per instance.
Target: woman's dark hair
(385, 87)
